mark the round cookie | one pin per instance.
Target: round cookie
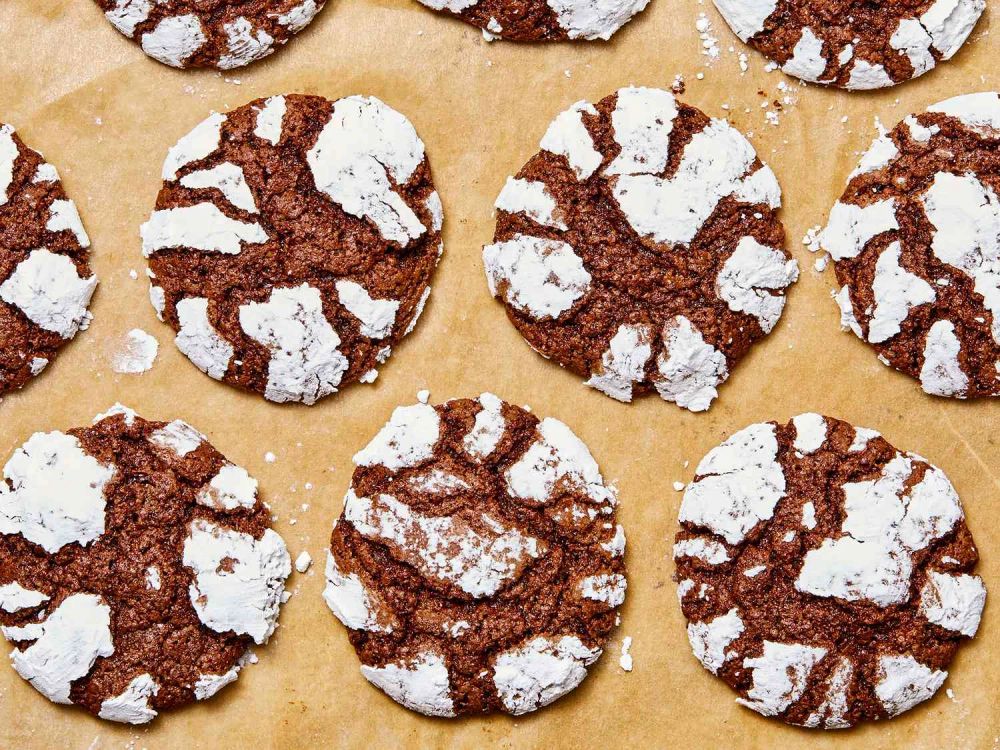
(641, 248)
(222, 34)
(293, 243)
(137, 566)
(543, 20)
(854, 45)
(825, 575)
(477, 562)
(915, 239)
(45, 279)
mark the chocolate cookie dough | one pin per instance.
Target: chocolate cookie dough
(293, 243)
(856, 44)
(641, 248)
(477, 563)
(916, 242)
(826, 576)
(221, 34)
(543, 20)
(45, 278)
(137, 566)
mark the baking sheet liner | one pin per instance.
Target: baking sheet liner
(105, 115)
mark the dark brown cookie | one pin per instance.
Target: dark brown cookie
(826, 576)
(137, 566)
(221, 34)
(45, 279)
(543, 20)
(916, 242)
(641, 248)
(293, 243)
(477, 563)
(854, 44)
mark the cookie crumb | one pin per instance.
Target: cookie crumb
(303, 561)
(137, 354)
(625, 661)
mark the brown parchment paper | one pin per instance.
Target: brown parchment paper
(106, 115)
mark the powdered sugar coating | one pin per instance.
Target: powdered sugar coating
(132, 706)
(858, 522)
(243, 594)
(597, 237)
(439, 558)
(927, 298)
(225, 36)
(909, 40)
(54, 493)
(49, 291)
(228, 238)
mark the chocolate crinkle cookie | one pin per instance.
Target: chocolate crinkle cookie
(137, 566)
(826, 576)
(916, 242)
(855, 44)
(641, 249)
(477, 563)
(220, 34)
(543, 20)
(45, 279)
(293, 243)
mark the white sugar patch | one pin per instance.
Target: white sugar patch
(904, 682)
(941, 373)
(710, 639)
(707, 550)
(624, 362)
(66, 645)
(980, 112)
(174, 40)
(594, 19)
(244, 44)
(556, 458)
(478, 555)
(882, 527)
(8, 157)
(14, 597)
(541, 671)
(746, 17)
(420, 684)
(54, 493)
(674, 210)
(376, 316)
(137, 354)
(911, 39)
(532, 199)
(879, 154)
(132, 705)
(608, 588)
(832, 711)
(198, 339)
(229, 180)
(488, 430)
(231, 488)
(850, 227)
(689, 369)
(807, 61)
(540, 277)
(408, 439)
(238, 580)
(202, 141)
(306, 364)
(965, 213)
(949, 23)
(780, 675)
(740, 484)
(50, 292)
(896, 292)
(748, 276)
(643, 119)
(299, 16)
(954, 602)
(364, 144)
(866, 76)
(269, 119)
(567, 136)
(179, 437)
(63, 216)
(199, 227)
(810, 433)
(352, 602)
